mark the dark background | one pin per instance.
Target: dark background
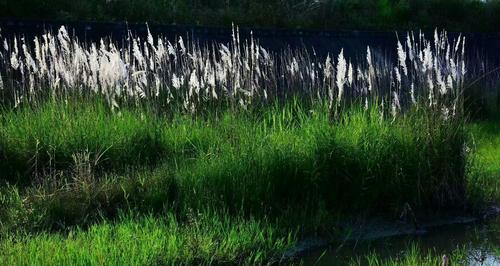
(389, 15)
(482, 45)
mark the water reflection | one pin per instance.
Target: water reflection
(477, 243)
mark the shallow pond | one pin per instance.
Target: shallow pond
(479, 242)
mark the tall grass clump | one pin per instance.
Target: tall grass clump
(56, 136)
(262, 163)
(219, 145)
(233, 125)
(300, 159)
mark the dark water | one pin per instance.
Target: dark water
(480, 241)
(483, 46)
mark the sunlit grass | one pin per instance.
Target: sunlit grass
(203, 239)
(262, 160)
(413, 255)
(270, 170)
(485, 159)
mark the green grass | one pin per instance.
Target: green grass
(258, 161)
(484, 177)
(36, 140)
(412, 256)
(486, 135)
(204, 239)
(225, 187)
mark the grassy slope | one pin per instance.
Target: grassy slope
(271, 163)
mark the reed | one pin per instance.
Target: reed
(227, 143)
(183, 76)
(74, 162)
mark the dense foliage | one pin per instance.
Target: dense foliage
(460, 15)
(159, 152)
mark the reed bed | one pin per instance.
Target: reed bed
(237, 127)
(229, 148)
(183, 76)
(73, 163)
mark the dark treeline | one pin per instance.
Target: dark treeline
(454, 15)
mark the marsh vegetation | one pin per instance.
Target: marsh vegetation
(163, 151)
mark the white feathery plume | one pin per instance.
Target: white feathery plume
(350, 74)
(14, 62)
(170, 48)
(146, 53)
(402, 58)
(398, 76)
(327, 74)
(341, 74)
(13, 58)
(138, 54)
(194, 84)
(64, 40)
(371, 68)
(454, 70)
(294, 68)
(327, 71)
(369, 56)
(439, 78)
(176, 82)
(265, 54)
(448, 51)
(181, 45)
(428, 59)
(360, 75)
(94, 67)
(395, 105)
(457, 44)
(39, 57)
(312, 73)
(431, 93)
(463, 54)
(29, 62)
(150, 38)
(436, 41)
(160, 52)
(409, 46)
